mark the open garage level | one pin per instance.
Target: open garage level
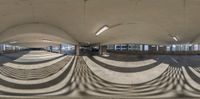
(87, 49)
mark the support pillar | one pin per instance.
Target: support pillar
(77, 48)
(102, 49)
(127, 47)
(4, 48)
(171, 48)
(1, 48)
(157, 48)
(60, 48)
(51, 48)
(143, 47)
(190, 48)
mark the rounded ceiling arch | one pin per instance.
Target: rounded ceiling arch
(36, 28)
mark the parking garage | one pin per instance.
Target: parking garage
(58, 49)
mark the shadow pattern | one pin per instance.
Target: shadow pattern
(83, 82)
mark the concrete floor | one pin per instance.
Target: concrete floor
(41, 74)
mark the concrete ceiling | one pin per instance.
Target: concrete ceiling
(77, 21)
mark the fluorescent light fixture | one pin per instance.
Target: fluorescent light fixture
(47, 41)
(13, 42)
(175, 38)
(104, 28)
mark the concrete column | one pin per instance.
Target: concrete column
(143, 47)
(120, 47)
(171, 48)
(190, 48)
(51, 48)
(1, 48)
(102, 49)
(60, 48)
(4, 47)
(77, 48)
(13, 48)
(127, 47)
(157, 48)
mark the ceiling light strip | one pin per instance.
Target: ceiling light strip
(103, 29)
